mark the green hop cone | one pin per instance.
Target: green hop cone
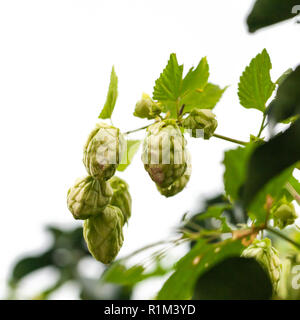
(164, 154)
(267, 256)
(284, 214)
(103, 151)
(121, 197)
(180, 183)
(103, 234)
(88, 197)
(147, 108)
(200, 123)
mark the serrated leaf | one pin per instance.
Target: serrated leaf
(198, 260)
(268, 12)
(287, 101)
(111, 97)
(255, 86)
(235, 162)
(196, 78)
(167, 86)
(234, 279)
(203, 99)
(132, 148)
(270, 159)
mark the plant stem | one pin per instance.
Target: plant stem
(135, 130)
(262, 125)
(293, 192)
(283, 236)
(230, 139)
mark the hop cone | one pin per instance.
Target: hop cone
(201, 123)
(88, 197)
(164, 154)
(284, 214)
(180, 183)
(103, 234)
(267, 256)
(121, 197)
(146, 108)
(103, 151)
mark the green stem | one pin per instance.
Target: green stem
(230, 139)
(135, 130)
(293, 192)
(283, 236)
(262, 125)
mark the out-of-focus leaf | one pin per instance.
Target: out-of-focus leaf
(287, 101)
(111, 97)
(256, 86)
(216, 213)
(234, 279)
(281, 79)
(270, 159)
(196, 262)
(28, 265)
(132, 148)
(268, 12)
(119, 274)
(206, 98)
(274, 188)
(235, 162)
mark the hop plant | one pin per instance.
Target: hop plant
(103, 234)
(88, 197)
(284, 214)
(103, 151)
(180, 183)
(146, 108)
(121, 197)
(164, 154)
(200, 122)
(267, 256)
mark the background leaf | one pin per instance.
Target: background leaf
(132, 148)
(270, 159)
(268, 12)
(234, 279)
(255, 86)
(287, 101)
(111, 97)
(198, 260)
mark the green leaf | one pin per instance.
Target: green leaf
(216, 212)
(111, 97)
(203, 99)
(168, 85)
(287, 101)
(270, 159)
(235, 162)
(268, 12)
(273, 188)
(281, 79)
(119, 274)
(132, 148)
(28, 265)
(234, 279)
(196, 78)
(196, 262)
(295, 183)
(256, 87)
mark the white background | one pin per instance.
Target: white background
(55, 62)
